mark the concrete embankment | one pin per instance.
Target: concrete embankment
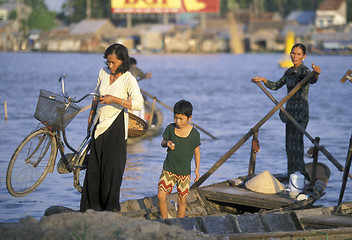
(93, 225)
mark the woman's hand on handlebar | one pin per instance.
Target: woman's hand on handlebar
(107, 99)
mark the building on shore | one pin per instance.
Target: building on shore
(323, 31)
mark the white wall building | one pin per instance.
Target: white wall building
(330, 13)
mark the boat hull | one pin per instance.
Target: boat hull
(230, 196)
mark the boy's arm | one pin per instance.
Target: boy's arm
(197, 160)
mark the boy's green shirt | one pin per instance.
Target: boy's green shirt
(178, 161)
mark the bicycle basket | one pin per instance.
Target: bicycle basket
(54, 111)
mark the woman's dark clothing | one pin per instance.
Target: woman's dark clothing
(298, 107)
(106, 165)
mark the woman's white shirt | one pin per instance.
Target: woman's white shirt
(124, 87)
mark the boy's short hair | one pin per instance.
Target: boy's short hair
(183, 107)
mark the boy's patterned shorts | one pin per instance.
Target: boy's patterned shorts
(168, 180)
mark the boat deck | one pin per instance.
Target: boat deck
(216, 198)
(241, 196)
(148, 207)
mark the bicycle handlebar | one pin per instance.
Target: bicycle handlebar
(62, 81)
(89, 94)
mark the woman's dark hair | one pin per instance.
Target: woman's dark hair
(301, 46)
(121, 53)
(133, 61)
(183, 107)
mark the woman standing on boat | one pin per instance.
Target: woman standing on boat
(119, 91)
(297, 106)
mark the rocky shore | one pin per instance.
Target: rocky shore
(93, 225)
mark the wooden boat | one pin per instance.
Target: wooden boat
(232, 197)
(154, 119)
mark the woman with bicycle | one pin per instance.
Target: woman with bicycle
(119, 91)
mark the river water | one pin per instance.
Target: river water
(226, 104)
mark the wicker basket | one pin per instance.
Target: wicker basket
(53, 110)
(137, 127)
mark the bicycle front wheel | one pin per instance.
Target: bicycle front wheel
(30, 163)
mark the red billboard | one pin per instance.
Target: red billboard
(164, 6)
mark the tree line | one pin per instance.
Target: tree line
(75, 10)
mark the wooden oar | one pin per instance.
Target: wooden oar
(251, 131)
(74, 114)
(85, 108)
(197, 126)
(289, 116)
(346, 172)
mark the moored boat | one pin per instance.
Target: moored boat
(153, 117)
(235, 196)
(232, 196)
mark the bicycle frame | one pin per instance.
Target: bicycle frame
(77, 153)
(85, 142)
(57, 134)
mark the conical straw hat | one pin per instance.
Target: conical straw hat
(265, 183)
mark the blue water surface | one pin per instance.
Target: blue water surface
(226, 104)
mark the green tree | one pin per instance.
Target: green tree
(284, 7)
(76, 10)
(349, 10)
(101, 8)
(35, 4)
(41, 19)
(4, 1)
(13, 15)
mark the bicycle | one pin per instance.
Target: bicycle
(35, 156)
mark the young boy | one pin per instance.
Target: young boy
(182, 142)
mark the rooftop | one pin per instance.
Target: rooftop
(331, 4)
(301, 17)
(88, 26)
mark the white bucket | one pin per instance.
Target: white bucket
(296, 182)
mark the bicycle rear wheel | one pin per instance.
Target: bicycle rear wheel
(30, 162)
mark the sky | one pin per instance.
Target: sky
(54, 5)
